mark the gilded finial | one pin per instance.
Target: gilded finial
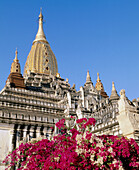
(41, 16)
(16, 52)
(40, 34)
(98, 79)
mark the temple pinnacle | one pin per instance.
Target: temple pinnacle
(114, 94)
(88, 78)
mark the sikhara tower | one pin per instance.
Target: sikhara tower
(41, 58)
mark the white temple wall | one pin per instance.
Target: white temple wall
(5, 143)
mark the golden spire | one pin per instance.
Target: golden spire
(40, 36)
(99, 87)
(15, 67)
(98, 79)
(114, 94)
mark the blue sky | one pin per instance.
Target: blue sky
(96, 35)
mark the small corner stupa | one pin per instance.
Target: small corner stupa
(100, 88)
(15, 78)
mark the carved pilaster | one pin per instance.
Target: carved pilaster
(38, 132)
(12, 134)
(44, 132)
(25, 134)
(31, 132)
(49, 133)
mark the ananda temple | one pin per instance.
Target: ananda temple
(31, 104)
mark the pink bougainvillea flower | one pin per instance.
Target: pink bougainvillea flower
(81, 120)
(60, 124)
(76, 150)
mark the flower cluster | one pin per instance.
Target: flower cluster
(83, 123)
(77, 150)
(60, 124)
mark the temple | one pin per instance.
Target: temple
(31, 104)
